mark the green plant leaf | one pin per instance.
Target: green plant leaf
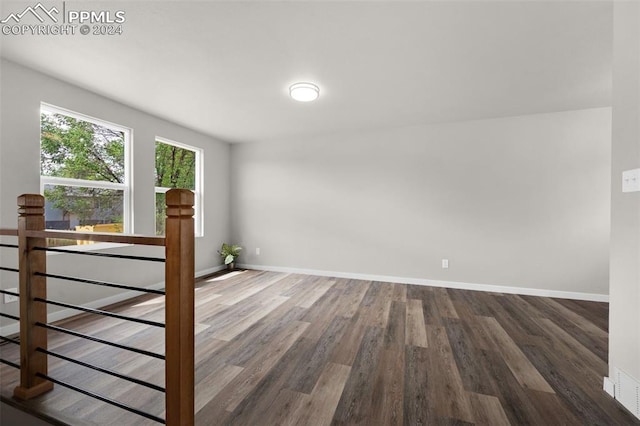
(229, 259)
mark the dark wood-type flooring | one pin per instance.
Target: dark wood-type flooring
(276, 348)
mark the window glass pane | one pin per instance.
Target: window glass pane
(175, 167)
(77, 149)
(161, 212)
(84, 209)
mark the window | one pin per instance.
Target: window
(177, 166)
(84, 172)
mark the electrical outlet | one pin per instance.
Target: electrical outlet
(8, 298)
(631, 180)
(445, 263)
(257, 251)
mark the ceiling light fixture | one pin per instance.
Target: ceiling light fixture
(304, 92)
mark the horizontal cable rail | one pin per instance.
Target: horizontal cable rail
(10, 233)
(102, 398)
(98, 312)
(9, 363)
(101, 369)
(97, 339)
(10, 293)
(10, 340)
(98, 237)
(102, 283)
(93, 253)
(13, 317)
(2, 314)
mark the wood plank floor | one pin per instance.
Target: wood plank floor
(285, 349)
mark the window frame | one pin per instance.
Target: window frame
(126, 187)
(198, 182)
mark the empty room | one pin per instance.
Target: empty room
(320, 212)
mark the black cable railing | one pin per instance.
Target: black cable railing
(9, 363)
(10, 293)
(102, 398)
(13, 317)
(99, 340)
(93, 253)
(101, 283)
(101, 369)
(9, 340)
(85, 336)
(98, 312)
(9, 316)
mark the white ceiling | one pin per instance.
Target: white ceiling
(223, 68)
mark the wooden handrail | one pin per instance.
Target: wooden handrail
(99, 237)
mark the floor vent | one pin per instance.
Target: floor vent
(628, 392)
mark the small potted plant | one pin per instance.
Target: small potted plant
(229, 253)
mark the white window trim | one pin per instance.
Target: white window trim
(199, 182)
(126, 187)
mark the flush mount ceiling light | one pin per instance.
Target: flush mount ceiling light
(304, 92)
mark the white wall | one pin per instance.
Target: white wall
(22, 92)
(624, 310)
(521, 202)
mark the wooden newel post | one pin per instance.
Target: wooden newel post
(31, 218)
(179, 288)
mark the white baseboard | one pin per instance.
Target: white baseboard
(437, 283)
(10, 329)
(210, 270)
